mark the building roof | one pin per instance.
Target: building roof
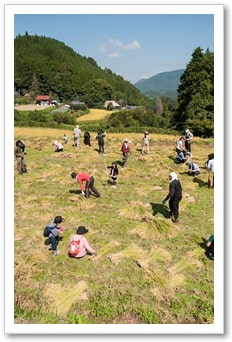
(43, 98)
(114, 104)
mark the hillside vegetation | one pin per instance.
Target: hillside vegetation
(162, 84)
(148, 270)
(53, 68)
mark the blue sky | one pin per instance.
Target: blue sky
(134, 46)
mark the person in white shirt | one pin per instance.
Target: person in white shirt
(76, 136)
(179, 145)
(210, 168)
(193, 169)
(146, 143)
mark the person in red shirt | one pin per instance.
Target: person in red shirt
(89, 183)
(125, 151)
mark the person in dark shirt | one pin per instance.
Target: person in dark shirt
(87, 138)
(210, 247)
(113, 173)
(174, 196)
(100, 138)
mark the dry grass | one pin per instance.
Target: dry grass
(140, 251)
(95, 114)
(61, 298)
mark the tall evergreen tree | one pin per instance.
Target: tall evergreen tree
(195, 103)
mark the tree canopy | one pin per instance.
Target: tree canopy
(195, 103)
(44, 65)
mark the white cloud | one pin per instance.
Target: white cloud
(114, 55)
(131, 46)
(116, 43)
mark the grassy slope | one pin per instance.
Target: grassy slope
(148, 270)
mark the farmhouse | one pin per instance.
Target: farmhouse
(43, 100)
(112, 104)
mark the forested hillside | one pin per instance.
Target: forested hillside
(46, 66)
(162, 84)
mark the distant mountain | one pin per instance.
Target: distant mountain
(162, 84)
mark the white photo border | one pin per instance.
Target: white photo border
(218, 326)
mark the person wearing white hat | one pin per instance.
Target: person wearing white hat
(76, 136)
(58, 146)
(146, 143)
(188, 140)
(174, 196)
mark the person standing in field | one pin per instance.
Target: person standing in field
(210, 168)
(87, 138)
(76, 136)
(113, 173)
(84, 177)
(179, 145)
(174, 196)
(19, 155)
(125, 151)
(101, 142)
(146, 143)
(65, 139)
(188, 141)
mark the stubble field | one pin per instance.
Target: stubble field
(148, 270)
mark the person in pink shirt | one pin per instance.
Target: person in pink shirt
(58, 146)
(89, 183)
(82, 243)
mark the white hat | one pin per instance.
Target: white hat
(77, 126)
(187, 131)
(173, 176)
(126, 139)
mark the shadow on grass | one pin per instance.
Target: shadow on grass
(200, 182)
(47, 243)
(75, 192)
(158, 208)
(119, 162)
